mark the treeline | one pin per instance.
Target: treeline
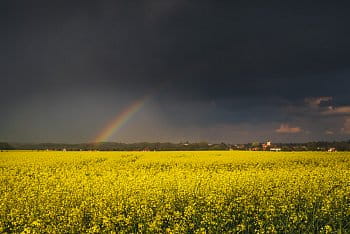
(317, 146)
(309, 146)
(146, 146)
(5, 146)
(112, 146)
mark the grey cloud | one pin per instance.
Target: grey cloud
(228, 63)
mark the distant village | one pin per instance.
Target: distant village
(184, 146)
(269, 146)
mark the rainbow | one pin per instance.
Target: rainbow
(121, 119)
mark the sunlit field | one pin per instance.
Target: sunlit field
(179, 192)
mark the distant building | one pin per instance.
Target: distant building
(266, 145)
(241, 146)
(275, 149)
(332, 150)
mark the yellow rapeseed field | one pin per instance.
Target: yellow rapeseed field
(174, 192)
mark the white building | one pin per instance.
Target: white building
(275, 149)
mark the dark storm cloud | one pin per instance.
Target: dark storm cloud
(210, 62)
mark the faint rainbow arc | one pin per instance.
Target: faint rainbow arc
(121, 119)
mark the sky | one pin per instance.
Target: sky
(216, 71)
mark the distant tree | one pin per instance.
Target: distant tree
(5, 146)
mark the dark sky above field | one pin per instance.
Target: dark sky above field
(232, 71)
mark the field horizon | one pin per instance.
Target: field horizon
(182, 146)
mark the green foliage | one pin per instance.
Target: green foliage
(5, 146)
(187, 146)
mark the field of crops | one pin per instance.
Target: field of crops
(174, 192)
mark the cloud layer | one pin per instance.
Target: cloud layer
(285, 128)
(67, 68)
